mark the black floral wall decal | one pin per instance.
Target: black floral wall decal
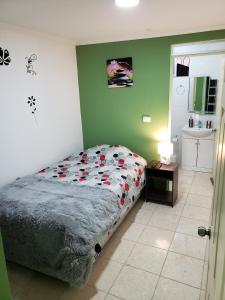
(32, 103)
(29, 65)
(4, 57)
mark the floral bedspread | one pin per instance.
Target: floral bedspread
(108, 167)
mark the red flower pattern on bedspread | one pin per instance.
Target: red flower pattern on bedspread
(104, 166)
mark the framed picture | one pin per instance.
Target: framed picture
(181, 66)
(119, 72)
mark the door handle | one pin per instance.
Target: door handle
(202, 231)
(212, 180)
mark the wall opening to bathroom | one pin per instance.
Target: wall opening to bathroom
(194, 80)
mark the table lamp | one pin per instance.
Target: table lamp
(165, 150)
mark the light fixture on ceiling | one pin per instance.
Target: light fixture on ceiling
(126, 3)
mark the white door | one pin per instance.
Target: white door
(205, 154)
(189, 154)
(216, 274)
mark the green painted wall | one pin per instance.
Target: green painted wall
(114, 115)
(4, 284)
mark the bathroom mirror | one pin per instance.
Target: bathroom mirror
(202, 95)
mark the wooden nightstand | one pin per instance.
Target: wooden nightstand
(162, 184)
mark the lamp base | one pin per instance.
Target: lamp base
(165, 159)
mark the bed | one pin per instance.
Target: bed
(57, 221)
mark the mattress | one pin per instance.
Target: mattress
(57, 221)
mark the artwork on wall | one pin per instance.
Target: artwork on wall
(5, 60)
(4, 57)
(182, 66)
(119, 72)
(32, 103)
(29, 65)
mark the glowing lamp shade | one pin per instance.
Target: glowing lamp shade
(165, 150)
(126, 3)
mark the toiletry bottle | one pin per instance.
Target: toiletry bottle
(191, 122)
(207, 124)
(210, 124)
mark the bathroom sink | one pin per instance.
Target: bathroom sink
(198, 132)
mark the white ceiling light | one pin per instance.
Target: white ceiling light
(126, 3)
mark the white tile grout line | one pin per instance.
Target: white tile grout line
(114, 296)
(123, 264)
(180, 254)
(153, 246)
(191, 286)
(160, 275)
(205, 262)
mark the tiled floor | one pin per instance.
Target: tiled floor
(156, 254)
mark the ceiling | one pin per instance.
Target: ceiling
(94, 21)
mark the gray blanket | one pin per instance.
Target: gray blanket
(53, 227)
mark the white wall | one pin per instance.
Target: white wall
(26, 146)
(204, 47)
(179, 111)
(206, 65)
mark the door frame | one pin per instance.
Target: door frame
(212, 52)
(216, 203)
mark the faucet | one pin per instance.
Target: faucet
(199, 124)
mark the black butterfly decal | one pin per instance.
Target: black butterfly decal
(31, 102)
(4, 57)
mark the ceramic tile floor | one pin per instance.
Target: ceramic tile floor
(155, 254)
